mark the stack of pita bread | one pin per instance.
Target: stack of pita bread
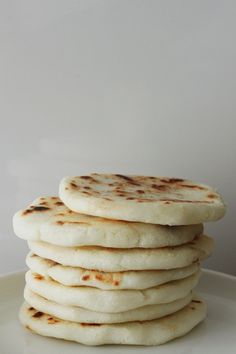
(116, 259)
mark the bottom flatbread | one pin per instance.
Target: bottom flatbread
(132, 333)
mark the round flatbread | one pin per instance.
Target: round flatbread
(156, 200)
(137, 333)
(110, 300)
(79, 314)
(76, 276)
(48, 219)
(116, 260)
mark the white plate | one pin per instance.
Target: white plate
(217, 334)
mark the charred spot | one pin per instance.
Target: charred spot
(85, 277)
(87, 187)
(73, 185)
(167, 202)
(59, 222)
(172, 180)
(90, 324)
(121, 195)
(140, 191)
(58, 203)
(130, 198)
(38, 277)
(37, 314)
(116, 282)
(35, 208)
(52, 320)
(31, 309)
(197, 301)
(85, 192)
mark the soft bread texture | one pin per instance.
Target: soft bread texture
(79, 314)
(113, 301)
(156, 200)
(76, 276)
(116, 260)
(48, 219)
(136, 333)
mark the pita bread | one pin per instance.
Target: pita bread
(76, 276)
(109, 300)
(48, 219)
(137, 333)
(116, 260)
(79, 314)
(156, 200)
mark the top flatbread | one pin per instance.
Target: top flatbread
(157, 200)
(48, 219)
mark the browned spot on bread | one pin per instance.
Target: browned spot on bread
(73, 185)
(60, 214)
(140, 191)
(161, 187)
(171, 180)
(70, 212)
(85, 277)
(42, 198)
(85, 192)
(37, 314)
(87, 187)
(130, 198)
(110, 200)
(116, 282)
(167, 202)
(58, 203)
(31, 309)
(99, 277)
(43, 203)
(197, 301)
(184, 201)
(212, 196)
(59, 222)
(28, 327)
(193, 186)
(38, 277)
(33, 208)
(192, 308)
(128, 179)
(66, 188)
(87, 178)
(90, 324)
(53, 198)
(52, 320)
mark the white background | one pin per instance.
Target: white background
(122, 86)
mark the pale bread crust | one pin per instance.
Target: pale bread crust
(110, 300)
(156, 200)
(116, 260)
(79, 314)
(48, 219)
(153, 332)
(76, 276)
